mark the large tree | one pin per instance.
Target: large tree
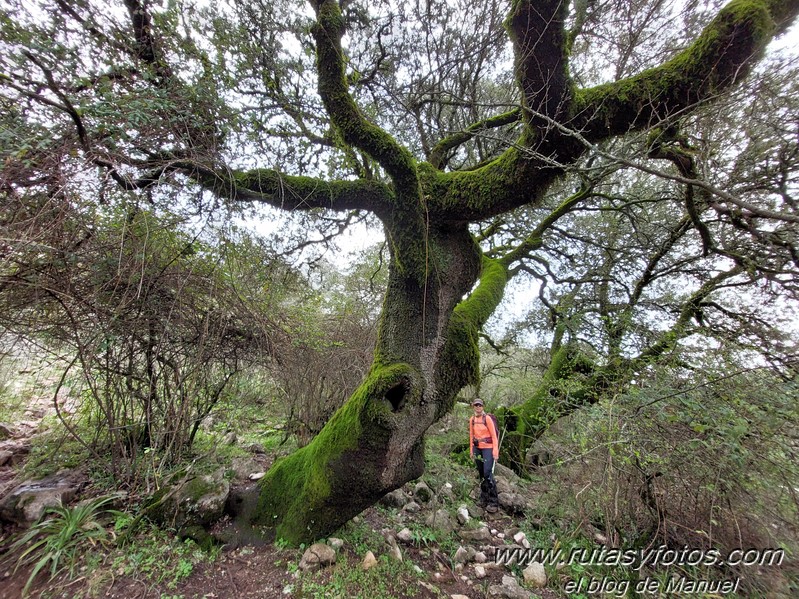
(465, 133)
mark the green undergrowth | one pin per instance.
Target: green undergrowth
(386, 580)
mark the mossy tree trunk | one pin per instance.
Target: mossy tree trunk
(427, 347)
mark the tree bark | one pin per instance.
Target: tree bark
(426, 352)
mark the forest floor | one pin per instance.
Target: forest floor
(156, 565)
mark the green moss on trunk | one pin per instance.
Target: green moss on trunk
(312, 492)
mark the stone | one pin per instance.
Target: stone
(6, 432)
(480, 557)
(479, 535)
(479, 571)
(405, 536)
(504, 486)
(335, 543)
(243, 467)
(535, 576)
(509, 589)
(229, 439)
(397, 499)
(257, 475)
(463, 515)
(255, 448)
(519, 537)
(461, 555)
(394, 550)
(316, 557)
(412, 507)
(422, 492)
(369, 560)
(459, 597)
(196, 502)
(27, 502)
(512, 503)
(441, 521)
(5, 457)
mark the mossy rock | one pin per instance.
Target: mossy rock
(193, 502)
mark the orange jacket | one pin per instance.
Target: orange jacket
(483, 429)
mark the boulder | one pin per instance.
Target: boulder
(512, 503)
(535, 576)
(397, 498)
(405, 535)
(478, 535)
(412, 507)
(316, 557)
(27, 502)
(422, 492)
(441, 521)
(369, 560)
(190, 503)
(509, 589)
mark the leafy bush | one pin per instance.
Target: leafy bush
(61, 540)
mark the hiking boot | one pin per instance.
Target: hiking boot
(492, 508)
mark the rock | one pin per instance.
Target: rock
(512, 503)
(534, 575)
(196, 502)
(412, 507)
(369, 560)
(335, 543)
(479, 571)
(229, 439)
(506, 473)
(475, 512)
(255, 448)
(397, 498)
(459, 597)
(600, 538)
(519, 537)
(405, 535)
(446, 495)
(441, 521)
(243, 468)
(394, 550)
(504, 486)
(6, 432)
(461, 555)
(479, 535)
(509, 589)
(316, 557)
(257, 475)
(463, 515)
(422, 492)
(500, 535)
(5, 457)
(480, 557)
(27, 502)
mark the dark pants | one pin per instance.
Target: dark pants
(485, 466)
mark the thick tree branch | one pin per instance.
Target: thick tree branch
(290, 192)
(354, 127)
(722, 55)
(438, 155)
(539, 43)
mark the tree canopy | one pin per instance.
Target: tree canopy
(637, 159)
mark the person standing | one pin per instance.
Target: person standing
(484, 441)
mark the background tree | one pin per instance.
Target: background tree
(222, 99)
